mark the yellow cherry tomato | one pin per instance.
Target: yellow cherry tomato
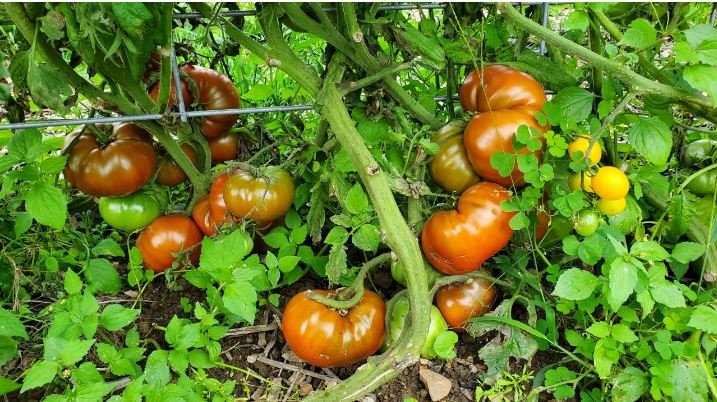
(610, 183)
(578, 149)
(611, 207)
(574, 182)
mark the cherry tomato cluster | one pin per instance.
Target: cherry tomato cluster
(609, 183)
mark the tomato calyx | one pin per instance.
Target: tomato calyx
(346, 298)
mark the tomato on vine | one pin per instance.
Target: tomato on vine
(581, 181)
(121, 167)
(224, 147)
(134, 211)
(586, 222)
(326, 337)
(459, 302)
(167, 236)
(460, 240)
(611, 207)
(610, 183)
(450, 167)
(577, 150)
(169, 173)
(261, 198)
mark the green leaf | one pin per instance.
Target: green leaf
(53, 25)
(605, 356)
(689, 381)
(220, 254)
(275, 239)
(53, 164)
(115, 317)
(686, 251)
(575, 284)
(94, 391)
(577, 20)
(699, 33)
(647, 303)
(108, 247)
(575, 104)
(48, 86)
(156, 370)
(622, 333)
(702, 78)
(73, 283)
(102, 276)
(519, 221)
(240, 299)
(600, 329)
(40, 373)
(356, 200)
(337, 263)
(178, 360)
(337, 235)
(652, 139)
(445, 345)
(288, 263)
(503, 162)
(47, 204)
(367, 238)
(10, 325)
(623, 278)
(707, 52)
(667, 293)
(649, 251)
(298, 235)
(258, 92)
(641, 34)
(704, 318)
(7, 385)
(66, 352)
(132, 17)
(629, 385)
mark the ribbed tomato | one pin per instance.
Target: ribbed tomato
(326, 337)
(202, 216)
(121, 167)
(261, 199)
(459, 302)
(450, 167)
(166, 236)
(217, 206)
(169, 173)
(500, 87)
(459, 241)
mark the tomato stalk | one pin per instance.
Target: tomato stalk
(637, 82)
(349, 297)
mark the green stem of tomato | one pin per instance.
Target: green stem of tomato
(166, 66)
(349, 297)
(637, 82)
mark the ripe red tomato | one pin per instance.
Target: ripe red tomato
(166, 236)
(216, 92)
(202, 216)
(450, 167)
(169, 173)
(217, 206)
(500, 87)
(261, 199)
(186, 94)
(326, 337)
(459, 241)
(461, 301)
(121, 167)
(490, 132)
(224, 147)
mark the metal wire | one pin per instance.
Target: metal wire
(246, 13)
(546, 8)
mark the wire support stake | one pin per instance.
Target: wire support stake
(178, 84)
(546, 9)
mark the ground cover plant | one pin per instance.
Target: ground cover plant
(517, 201)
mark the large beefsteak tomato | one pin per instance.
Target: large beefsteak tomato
(261, 199)
(450, 167)
(166, 236)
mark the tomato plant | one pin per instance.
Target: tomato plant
(449, 238)
(262, 197)
(166, 236)
(396, 317)
(326, 337)
(121, 167)
(134, 211)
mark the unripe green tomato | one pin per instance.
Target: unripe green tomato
(586, 222)
(397, 319)
(134, 211)
(399, 274)
(626, 221)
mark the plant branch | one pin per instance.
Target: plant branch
(637, 82)
(348, 87)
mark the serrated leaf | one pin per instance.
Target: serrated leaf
(577, 20)
(629, 385)
(48, 86)
(102, 276)
(575, 284)
(689, 381)
(699, 33)
(337, 264)
(704, 318)
(356, 200)
(47, 205)
(7, 385)
(108, 247)
(40, 373)
(652, 139)
(258, 92)
(639, 35)
(575, 104)
(622, 333)
(367, 238)
(667, 293)
(600, 329)
(685, 252)
(73, 283)
(240, 299)
(288, 263)
(66, 352)
(623, 278)
(115, 317)
(337, 235)
(649, 251)
(703, 78)
(10, 325)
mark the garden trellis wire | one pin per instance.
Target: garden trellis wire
(184, 115)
